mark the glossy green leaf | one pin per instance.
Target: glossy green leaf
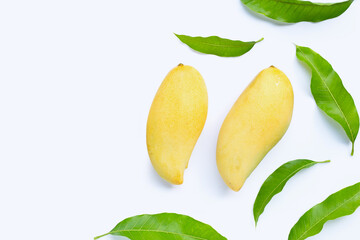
(292, 11)
(276, 182)
(339, 204)
(217, 46)
(330, 94)
(164, 226)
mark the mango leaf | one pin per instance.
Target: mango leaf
(330, 94)
(276, 182)
(217, 46)
(339, 204)
(293, 11)
(164, 226)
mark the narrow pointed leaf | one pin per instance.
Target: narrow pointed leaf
(339, 204)
(164, 226)
(330, 94)
(292, 11)
(217, 46)
(276, 182)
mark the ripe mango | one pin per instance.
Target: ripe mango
(255, 124)
(176, 119)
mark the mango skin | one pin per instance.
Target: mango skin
(255, 124)
(176, 120)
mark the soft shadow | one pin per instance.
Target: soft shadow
(117, 238)
(309, 72)
(216, 182)
(112, 237)
(159, 180)
(335, 126)
(219, 183)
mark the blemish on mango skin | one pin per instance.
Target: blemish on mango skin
(254, 125)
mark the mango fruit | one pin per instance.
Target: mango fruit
(255, 124)
(176, 119)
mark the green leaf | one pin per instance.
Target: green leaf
(330, 94)
(293, 11)
(276, 182)
(217, 46)
(164, 226)
(339, 204)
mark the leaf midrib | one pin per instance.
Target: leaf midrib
(331, 94)
(328, 215)
(158, 231)
(232, 46)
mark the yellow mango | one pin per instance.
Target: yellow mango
(255, 124)
(176, 119)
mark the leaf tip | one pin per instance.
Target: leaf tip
(259, 40)
(297, 46)
(256, 216)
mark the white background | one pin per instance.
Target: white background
(77, 79)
